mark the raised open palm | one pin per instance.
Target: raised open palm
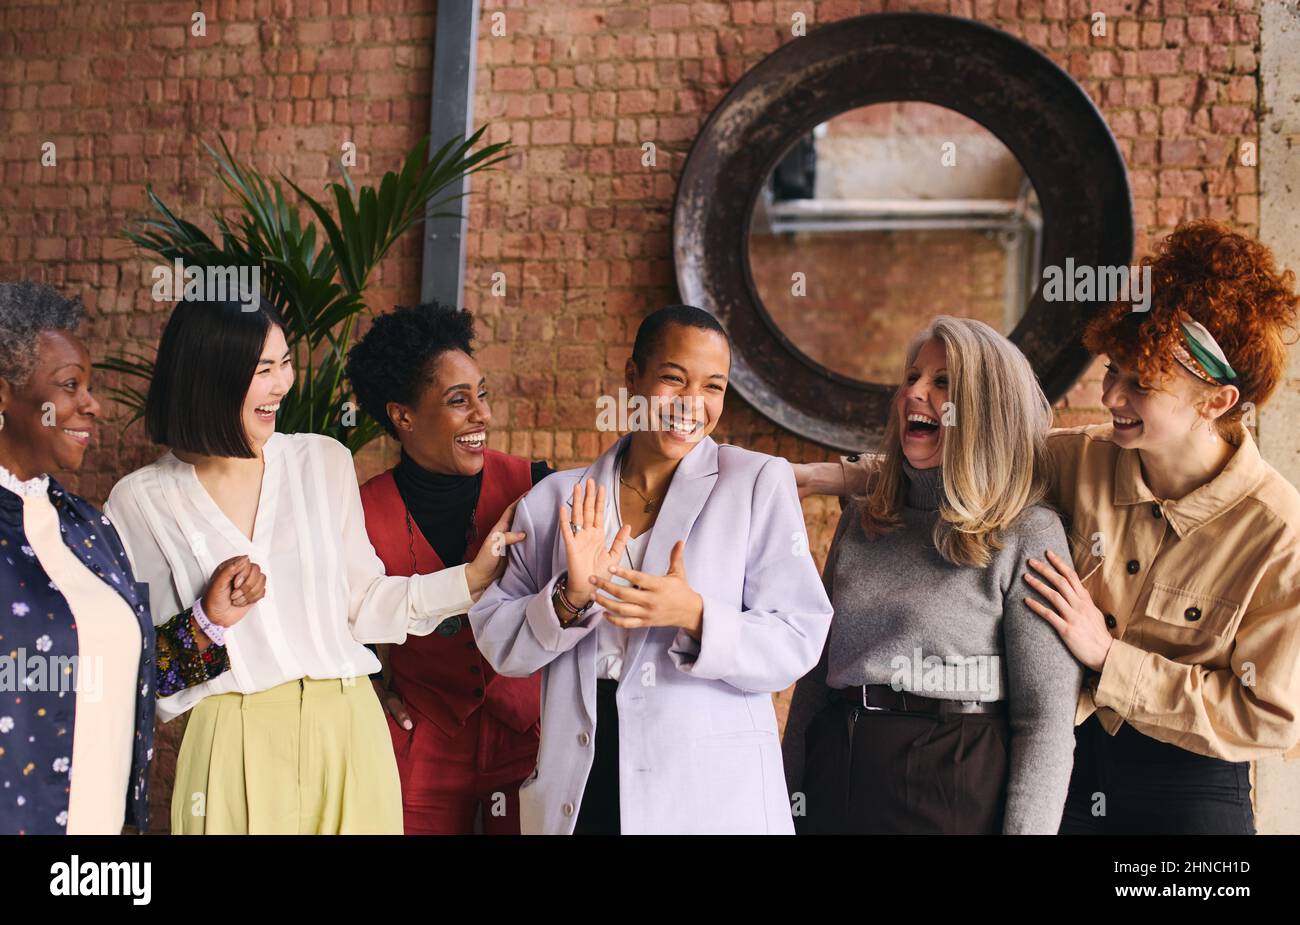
(582, 527)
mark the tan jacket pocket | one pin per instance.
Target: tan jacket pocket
(1192, 611)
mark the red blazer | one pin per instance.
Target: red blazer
(444, 677)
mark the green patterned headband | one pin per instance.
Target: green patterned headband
(1203, 357)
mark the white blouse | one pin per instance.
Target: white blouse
(326, 591)
(611, 639)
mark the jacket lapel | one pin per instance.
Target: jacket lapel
(402, 552)
(690, 488)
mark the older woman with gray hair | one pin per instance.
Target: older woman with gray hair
(73, 619)
(942, 703)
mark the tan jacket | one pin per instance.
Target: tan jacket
(1201, 594)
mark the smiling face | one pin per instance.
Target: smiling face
(446, 430)
(685, 378)
(919, 406)
(1151, 416)
(50, 421)
(272, 380)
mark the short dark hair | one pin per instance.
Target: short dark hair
(206, 360)
(392, 362)
(651, 329)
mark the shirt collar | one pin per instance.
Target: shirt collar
(23, 487)
(1237, 479)
(12, 500)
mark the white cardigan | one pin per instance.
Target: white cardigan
(326, 591)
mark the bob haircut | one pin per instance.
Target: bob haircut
(206, 360)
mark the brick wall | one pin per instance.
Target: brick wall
(579, 228)
(859, 314)
(129, 96)
(582, 230)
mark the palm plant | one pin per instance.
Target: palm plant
(316, 280)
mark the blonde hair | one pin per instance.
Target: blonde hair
(992, 454)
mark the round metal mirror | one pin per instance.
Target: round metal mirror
(875, 173)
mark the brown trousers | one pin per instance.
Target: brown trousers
(882, 772)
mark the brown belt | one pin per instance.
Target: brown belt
(884, 697)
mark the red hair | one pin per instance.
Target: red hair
(1227, 282)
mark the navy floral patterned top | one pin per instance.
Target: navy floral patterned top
(37, 720)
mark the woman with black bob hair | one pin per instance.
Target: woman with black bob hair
(465, 736)
(283, 738)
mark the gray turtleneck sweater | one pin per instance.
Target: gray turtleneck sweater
(905, 616)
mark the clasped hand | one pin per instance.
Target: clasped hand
(650, 600)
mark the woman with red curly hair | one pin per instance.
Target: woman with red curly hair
(1184, 596)
(1183, 599)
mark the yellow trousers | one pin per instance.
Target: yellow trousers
(306, 757)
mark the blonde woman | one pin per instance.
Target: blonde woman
(942, 704)
(1183, 595)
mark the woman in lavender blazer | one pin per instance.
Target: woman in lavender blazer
(657, 711)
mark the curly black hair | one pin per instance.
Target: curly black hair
(394, 359)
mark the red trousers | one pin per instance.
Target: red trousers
(446, 780)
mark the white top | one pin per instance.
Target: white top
(611, 640)
(326, 591)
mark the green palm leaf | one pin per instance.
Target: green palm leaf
(314, 272)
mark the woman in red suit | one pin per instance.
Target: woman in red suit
(465, 737)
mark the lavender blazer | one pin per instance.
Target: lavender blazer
(698, 744)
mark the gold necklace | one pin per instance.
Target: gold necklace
(649, 504)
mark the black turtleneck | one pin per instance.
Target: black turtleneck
(442, 506)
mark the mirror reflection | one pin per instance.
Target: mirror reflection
(885, 216)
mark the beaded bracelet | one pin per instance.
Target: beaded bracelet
(577, 612)
(210, 629)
